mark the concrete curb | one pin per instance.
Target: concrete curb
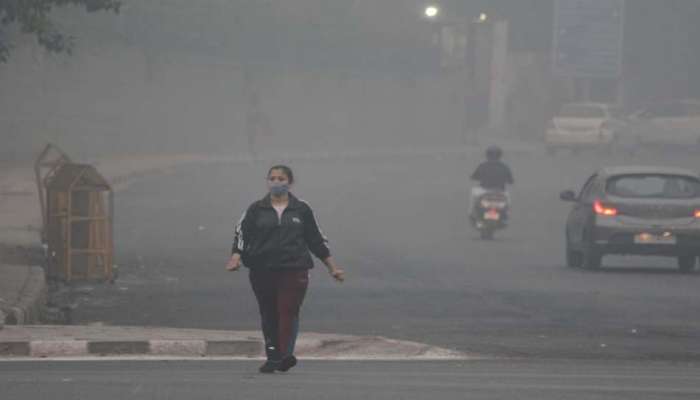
(106, 348)
(56, 341)
(190, 348)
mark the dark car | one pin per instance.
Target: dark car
(635, 211)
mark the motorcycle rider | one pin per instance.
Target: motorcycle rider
(491, 175)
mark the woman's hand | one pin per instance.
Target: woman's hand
(234, 263)
(337, 273)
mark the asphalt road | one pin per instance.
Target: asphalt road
(415, 269)
(349, 380)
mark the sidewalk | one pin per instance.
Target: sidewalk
(85, 341)
(23, 288)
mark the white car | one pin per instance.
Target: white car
(580, 125)
(675, 123)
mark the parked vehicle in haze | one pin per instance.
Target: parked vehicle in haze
(635, 211)
(671, 123)
(582, 125)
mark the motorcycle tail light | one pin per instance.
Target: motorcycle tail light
(602, 209)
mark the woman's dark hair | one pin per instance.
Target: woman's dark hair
(285, 169)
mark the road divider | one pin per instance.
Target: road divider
(46, 341)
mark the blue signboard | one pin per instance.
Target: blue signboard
(588, 38)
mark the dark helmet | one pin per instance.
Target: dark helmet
(494, 153)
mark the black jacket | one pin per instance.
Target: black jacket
(493, 175)
(268, 242)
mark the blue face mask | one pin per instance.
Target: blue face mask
(279, 189)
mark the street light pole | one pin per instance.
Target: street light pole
(452, 37)
(499, 75)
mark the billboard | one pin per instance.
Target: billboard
(588, 38)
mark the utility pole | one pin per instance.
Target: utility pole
(255, 119)
(252, 111)
(499, 75)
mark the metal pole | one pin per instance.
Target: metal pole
(587, 85)
(68, 269)
(499, 72)
(110, 239)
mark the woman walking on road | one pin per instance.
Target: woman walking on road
(273, 239)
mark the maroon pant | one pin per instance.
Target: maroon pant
(279, 294)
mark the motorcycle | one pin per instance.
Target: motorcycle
(490, 213)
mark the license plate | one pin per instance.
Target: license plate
(648, 238)
(492, 216)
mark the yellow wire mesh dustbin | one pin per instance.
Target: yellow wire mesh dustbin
(79, 224)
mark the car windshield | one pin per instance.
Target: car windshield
(581, 111)
(654, 186)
